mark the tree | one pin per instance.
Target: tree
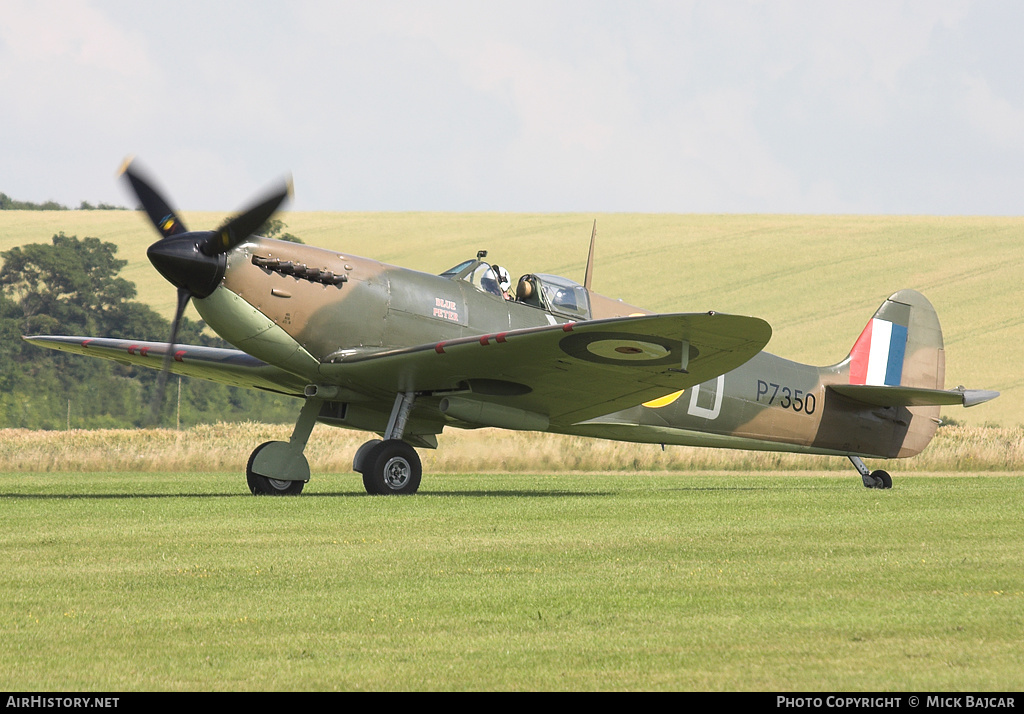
(72, 286)
(9, 204)
(72, 283)
(273, 229)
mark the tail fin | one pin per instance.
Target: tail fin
(900, 346)
(899, 362)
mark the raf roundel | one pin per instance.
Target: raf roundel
(627, 350)
(624, 348)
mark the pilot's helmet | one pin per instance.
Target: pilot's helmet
(504, 279)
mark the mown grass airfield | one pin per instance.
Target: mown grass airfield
(723, 579)
(547, 581)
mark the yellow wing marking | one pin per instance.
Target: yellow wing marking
(664, 401)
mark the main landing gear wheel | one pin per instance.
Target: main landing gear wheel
(264, 486)
(391, 467)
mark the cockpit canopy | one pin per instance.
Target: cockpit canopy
(557, 294)
(477, 273)
(553, 293)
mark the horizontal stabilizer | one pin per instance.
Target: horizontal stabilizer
(896, 396)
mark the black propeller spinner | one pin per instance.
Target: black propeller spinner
(194, 262)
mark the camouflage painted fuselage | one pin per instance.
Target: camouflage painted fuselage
(310, 311)
(773, 404)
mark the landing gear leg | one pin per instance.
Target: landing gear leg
(279, 468)
(391, 466)
(871, 479)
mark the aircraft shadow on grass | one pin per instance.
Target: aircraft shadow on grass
(524, 493)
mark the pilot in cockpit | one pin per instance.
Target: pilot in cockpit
(489, 281)
(504, 281)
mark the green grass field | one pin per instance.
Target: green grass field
(720, 581)
(816, 279)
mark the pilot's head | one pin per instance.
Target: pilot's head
(504, 279)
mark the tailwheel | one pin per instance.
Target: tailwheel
(882, 479)
(391, 467)
(871, 479)
(265, 486)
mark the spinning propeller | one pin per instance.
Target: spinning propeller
(193, 261)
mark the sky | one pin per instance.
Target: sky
(723, 106)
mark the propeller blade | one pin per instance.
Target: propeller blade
(161, 384)
(159, 211)
(192, 262)
(237, 229)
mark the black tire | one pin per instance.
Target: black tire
(392, 468)
(263, 486)
(882, 479)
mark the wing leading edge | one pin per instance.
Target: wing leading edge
(226, 366)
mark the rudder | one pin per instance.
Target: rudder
(900, 346)
(897, 356)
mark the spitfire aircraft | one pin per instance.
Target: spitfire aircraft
(383, 349)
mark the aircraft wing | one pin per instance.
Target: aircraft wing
(567, 372)
(227, 366)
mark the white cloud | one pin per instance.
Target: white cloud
(70, 32)
(722, 106)
(999, 121)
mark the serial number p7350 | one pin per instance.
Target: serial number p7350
(786, 397)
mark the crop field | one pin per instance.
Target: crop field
(787, 581)
(816, 279)
(226, 447)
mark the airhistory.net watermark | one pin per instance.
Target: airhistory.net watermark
(51, 702)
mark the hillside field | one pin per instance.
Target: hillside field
(816, 279)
